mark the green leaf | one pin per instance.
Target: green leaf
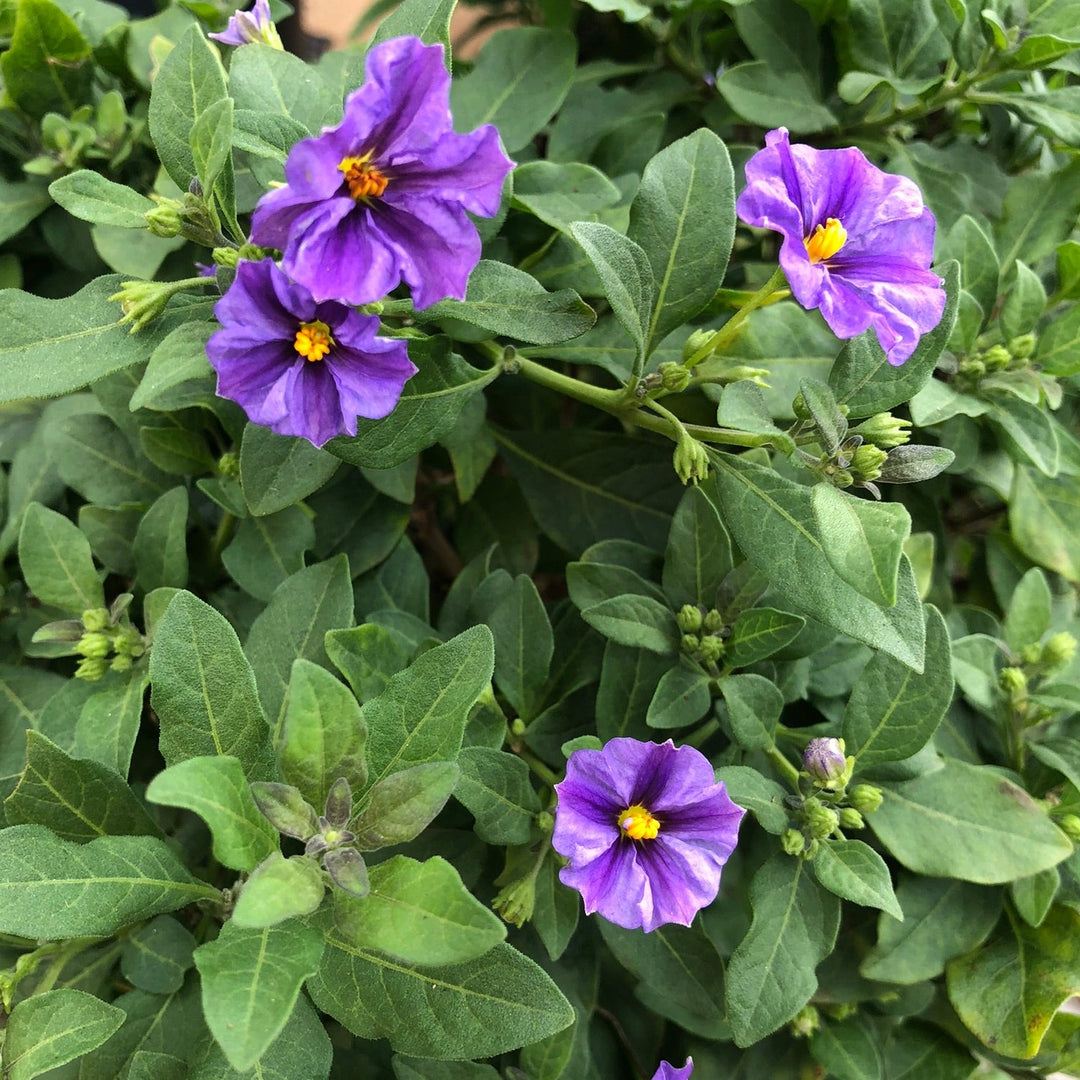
(892, 713)
(418, 913)
(560, 194)
(78, 800)
(1025, 303)
(892, 40)
(50, 1029)
(849, 1050)
(1027, 433)
(55, 559)
(760, 632)
(367, 655)
(1044, 519)
(428, 408)
(764, 798)
(520, 79)
(476, 1009)
(176, 451)
(403, 804)
(47, 64)
(771, 973)
(1029, 612)
(862, 540)
(636, 621)
(108, 723)
(1008, 991)
(190, 80)
(272, 82)
(1058, 351)
(683, 218)
(279, 889)
(763, 95)
(680, 972)
(968, 243)
(277, 470)
(698, 555)
(178, 374)
(211, 148)
(754, 704)
(628, 683)
(682, 698)
(292, 626)
(1039, 212)
(918, 1051)
(429, 20)
(266, 551)
(585, 486)
(160, 546)
(864, 380)
(90, 196)
(323, 735)
(855, 871)
(156, 956)
(626, 275)
(557, 910)
(942, 919)
(772, 520)
(250, 983)
(217, 790)
(495, 788)
(523, 645)
(1032, 896)
(968, 822)
(424, 1069)
(506, 301)
(203, 689)
(421, 715)
(50, 888)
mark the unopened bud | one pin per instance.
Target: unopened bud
(1060, 649)
(867, 461)
(805, 1022)
(229, 463)
(120, 664)
(996, 358)
(1013, 681)
(793, 842)
(545, 821)
(518, 726)
(1069, 824)
(1031, 654)
(141, 302)
(165, 219)
(865, 798)
(515, 903)
(690, 643)
(1023, 346)
(714, 621)
(129, 642)
(96, 618)
(821, 820)
(94, 644)
(91, 668)
(226, 256)
(841, 478)
(972, 366)
(691, 460)
(712, 649)
(696, 343)
(823, 759)
(850, 818)
(673, 377)
(884, 430)
(689, 619)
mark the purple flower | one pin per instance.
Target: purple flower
(824, 759)
(669, 1072)
(647, 831)
(300, 367)
(248, 26)
(857, 242)
(383, 196)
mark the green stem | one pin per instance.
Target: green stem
(700, 735)
(733, 327)
(549, 776)
(784, 767)
(221, 535)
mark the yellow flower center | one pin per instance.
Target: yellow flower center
(313, 340)
(364, 180)
(825, 241)
(638, 823)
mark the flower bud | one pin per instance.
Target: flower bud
(141, 301)
(226, 256)
(866, 462)
(515, 903)
(973, 367)
(120, 664)
(129, 642)
(518, 727)
(689, 619)
(1069, 824)
(695, 343)
(545, 821)
(1031, 654)
(1013, 681)
(691, 460)
(673, 377)
(823, 759)
(865, 798)
(841, 478)
(850, 818)
(94, 644)
(1059, 650)
(714, 621)
(793, 842)
(805, 1022)
(821, 820)
(165, 220)
(712, 649)
(996, 358)
(690, 643)
(91, 669)
(229, 463)
(884, 430)
(96, 618)
(1023, 346)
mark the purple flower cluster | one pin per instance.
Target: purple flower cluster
(382, 198)
(858, 242)
(647, 830)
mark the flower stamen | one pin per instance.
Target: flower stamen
(363, 179)
(637, 823)
(313, 340)
(826, 240)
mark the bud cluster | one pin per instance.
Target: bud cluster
(703, 633)
(93, 133)
(103, 637)
(1014, 355)
(1036, 661)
